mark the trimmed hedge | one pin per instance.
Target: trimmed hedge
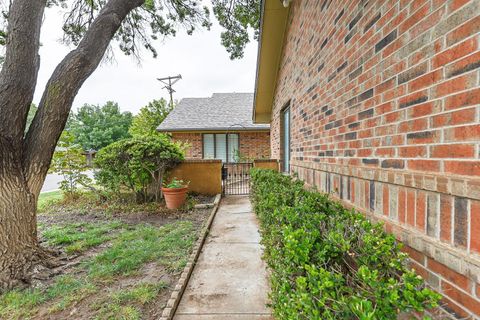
(328, 262)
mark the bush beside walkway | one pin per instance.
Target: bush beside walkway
(328, 262)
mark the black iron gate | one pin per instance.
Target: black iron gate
(236, 178)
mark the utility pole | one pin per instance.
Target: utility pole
(169, 82)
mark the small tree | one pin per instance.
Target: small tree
(136, 163)
(69, 161)
(150, 117)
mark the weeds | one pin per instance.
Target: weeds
(49, 199)
(78, 237)
(168, 245)
(123, 304)
(21, 304)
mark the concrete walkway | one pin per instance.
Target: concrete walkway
(229, 280)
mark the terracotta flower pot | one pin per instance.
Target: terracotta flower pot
(175, 197)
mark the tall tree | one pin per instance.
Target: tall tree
(90, 26)
(95, 127)
(150, 117)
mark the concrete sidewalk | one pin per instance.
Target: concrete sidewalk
(229, 280)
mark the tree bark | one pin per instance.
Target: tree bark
(18, 235)
(19, 72)
(18, 227)
(24, 162)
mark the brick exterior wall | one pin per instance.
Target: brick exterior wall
(194, 140)
(385, 104)
(253, 145)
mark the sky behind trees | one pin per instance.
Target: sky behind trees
(201, 60)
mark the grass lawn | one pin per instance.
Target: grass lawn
(47, 198)
(117, 265)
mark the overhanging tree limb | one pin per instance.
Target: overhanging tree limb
(63, 86)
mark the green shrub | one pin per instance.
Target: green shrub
(137, 163)
(328, 262)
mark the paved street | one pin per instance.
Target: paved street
(52, 181)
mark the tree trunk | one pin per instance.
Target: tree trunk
(18, 237)
(18, 224)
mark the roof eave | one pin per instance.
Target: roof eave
(223, 129)
(273, 24)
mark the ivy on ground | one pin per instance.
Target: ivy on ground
(328, 262)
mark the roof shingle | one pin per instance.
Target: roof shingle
(221, 112)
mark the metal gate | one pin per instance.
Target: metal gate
(236, 178)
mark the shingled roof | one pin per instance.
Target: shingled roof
(221, 112)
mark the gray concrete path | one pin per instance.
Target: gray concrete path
(230, 279)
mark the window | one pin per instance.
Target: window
(285, 136)
(221, 146)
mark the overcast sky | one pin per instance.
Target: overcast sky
(201, 60)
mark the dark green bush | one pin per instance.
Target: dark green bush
(328, 262)
(138, 164)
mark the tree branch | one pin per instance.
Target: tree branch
(18, 76)
(63, 86)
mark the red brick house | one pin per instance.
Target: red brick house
(219, 127)
(378, 103)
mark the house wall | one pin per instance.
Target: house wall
(270, 164)
(253, 145)
(385, 104)
(194, 140)
(204, 176)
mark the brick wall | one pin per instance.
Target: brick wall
(253, 145)
(194, 140)
(385, 103)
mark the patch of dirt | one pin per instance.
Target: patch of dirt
(66, 217)
(87, 308)
(158, 218)
(67, 265)
(197, 216)
(203, 199)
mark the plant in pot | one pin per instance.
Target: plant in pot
(175, 193)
